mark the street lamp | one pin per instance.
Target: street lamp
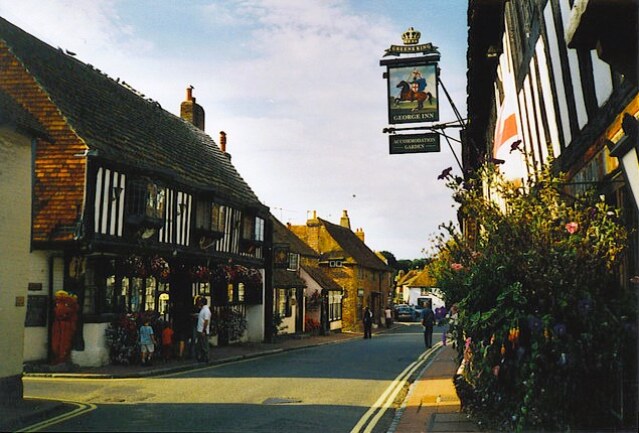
(626, 150)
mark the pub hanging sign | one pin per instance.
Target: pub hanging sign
(412, 82)
(414, 143)
(412, 93)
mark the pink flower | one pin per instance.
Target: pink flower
(572, 227)
(456, 266)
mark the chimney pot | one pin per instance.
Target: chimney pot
(223, 141)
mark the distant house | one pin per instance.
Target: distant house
(305, 297)
(417, 286)
(124, 205)
(344, 256)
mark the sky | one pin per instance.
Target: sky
(296, 85)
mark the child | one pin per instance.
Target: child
(147, 342)
(167, 342)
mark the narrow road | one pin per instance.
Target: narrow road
(327, 388)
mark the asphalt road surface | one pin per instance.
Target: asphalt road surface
(353, 386)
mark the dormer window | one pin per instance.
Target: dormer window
(252, 232)
(210, 221)
(293, 261)
(335, 263)
(145, 204)
(210, 216)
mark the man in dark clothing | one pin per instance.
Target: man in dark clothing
(428, 321)
(368, 322)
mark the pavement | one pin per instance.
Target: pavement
(431, 403)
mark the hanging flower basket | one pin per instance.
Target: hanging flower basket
(219, 276)
(134, 266)
(254, 278)
(240, 274)
(200, 274)
(160, 268)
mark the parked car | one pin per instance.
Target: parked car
(418, 311)
(404, 313)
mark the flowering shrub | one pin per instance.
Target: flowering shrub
(314, 300)
(546, 329)
(122, 339)
(312, 326)
(230, 321)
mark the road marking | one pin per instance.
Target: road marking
(80, 410)
(388, 396)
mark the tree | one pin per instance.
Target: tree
(390, 257)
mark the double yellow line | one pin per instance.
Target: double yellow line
(81, 409)
(385, 401)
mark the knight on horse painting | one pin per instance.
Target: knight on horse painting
(408, 93)
(417, 81)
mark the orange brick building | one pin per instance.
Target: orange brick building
(365, 278)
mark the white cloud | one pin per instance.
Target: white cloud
(299, 90)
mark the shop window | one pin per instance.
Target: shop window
(240, 292)
(230, 293)
(202, 290)
(334, 306)
(283, 302)
(360, 303)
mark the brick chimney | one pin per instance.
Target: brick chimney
(192, 112)
(360, 234)
(345, 221)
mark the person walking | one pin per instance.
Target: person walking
(388, 314)
(203, 322)
(368, 322)
(147, 342)
(167, 342)
(428, 322)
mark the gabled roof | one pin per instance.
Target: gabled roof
(417, 278)
(283, 279)
(354, 247)
(321, 277)
(281, 234)
(121, 125)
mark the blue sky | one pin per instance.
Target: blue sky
(297, 87)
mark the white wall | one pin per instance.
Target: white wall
(36, 338)
(95, 353)
(15, 231)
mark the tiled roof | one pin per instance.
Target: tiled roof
(123, 126)
(283, 279)
(321, 277)
(281, 234)
(407, 277)
(417, 278)
(354, 247)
